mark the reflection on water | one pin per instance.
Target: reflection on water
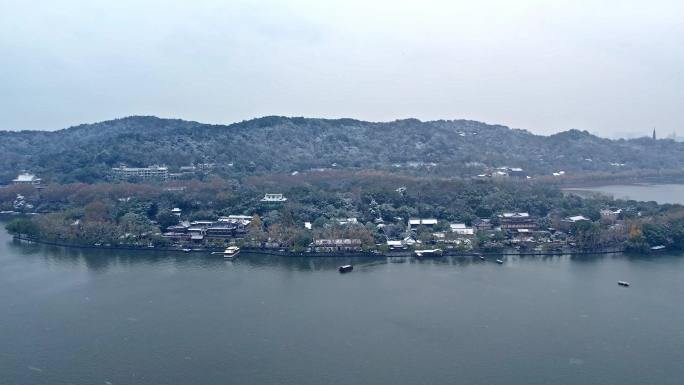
(73, 316)
(101, 260)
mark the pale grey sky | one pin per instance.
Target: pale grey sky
(605, 66)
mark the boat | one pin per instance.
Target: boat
(428, 253)
(500, 262)
(231, 252)
(623, 283)
(345, 268)
(187, 250)
(482, 258)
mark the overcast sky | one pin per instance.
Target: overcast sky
(609, 67)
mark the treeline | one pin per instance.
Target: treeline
(666, 231)
(283, 145)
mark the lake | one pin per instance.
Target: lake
(661, 193)
(101, 317)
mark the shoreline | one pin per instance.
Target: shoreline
(629, 181)
(341, 254)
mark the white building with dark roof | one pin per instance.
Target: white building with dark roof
(566, 223)
(611, 214)
(461, 229)
(241, 220)
(577, 218)
(512, 221)
(427, 222)
(26, 178)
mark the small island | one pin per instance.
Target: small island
(338, 212)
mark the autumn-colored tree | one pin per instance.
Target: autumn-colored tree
(256, 223)
(634, 231)
(96, 212)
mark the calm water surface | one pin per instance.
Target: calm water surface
(91, 317)
(661, 193)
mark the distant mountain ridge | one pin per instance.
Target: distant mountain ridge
(87, 152)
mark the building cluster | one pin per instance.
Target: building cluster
(504, 172)
(517, 221)
(159, 172)
(456, 235)
(20, 203)
(185, 172)
(336, 245)
(227, 228)
(512, 229)
(611, 214)
(203, 231)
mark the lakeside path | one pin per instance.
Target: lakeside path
(397, 254)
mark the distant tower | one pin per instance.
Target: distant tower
(654, 136)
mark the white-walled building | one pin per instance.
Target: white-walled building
(461, 229)
(151, 172)
(428, 222)
(275, 198)
(26, 178)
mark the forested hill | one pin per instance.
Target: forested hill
(278, 144)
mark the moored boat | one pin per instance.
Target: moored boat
(231, 252)
(428, 253)
(345, 268)
(500, 262)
